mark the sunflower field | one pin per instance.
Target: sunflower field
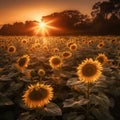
(60, 78)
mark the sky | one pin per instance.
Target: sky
(21, 10)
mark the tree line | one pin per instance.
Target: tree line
(105, 20)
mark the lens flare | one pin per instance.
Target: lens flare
(43, 27)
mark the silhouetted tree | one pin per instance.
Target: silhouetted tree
(6, 29)
(19, 28)
(68, 21)
(30, 27)
(106, 17)
(103, 9)
(105, 20)
(116, 9)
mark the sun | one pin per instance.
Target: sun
(41, 28)
(42, 25)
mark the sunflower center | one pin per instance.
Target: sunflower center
(73, 47)
(66, 54)
(2, 46)
(24, 41)
(56, 50)
(100, 59)
(69, 44)
(37, 95)
(100, 45)
(11, 49)
(22, 61)
(56, 61)
(41, 72)
(89, 70)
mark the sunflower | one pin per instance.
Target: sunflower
(112, 41)
(24, 41)
(38, 95)
(69, 44)
(100, 45)
(23, 62)
(36, 45)
(90, 42)
(41, 72)
(89, 70)
(2, 46)
(45, 47)
(56, 50)
(11, 49)
(32, 49)
(66, 54)
(55, 62)
(102, 58)
(62, 41)
(73, 47)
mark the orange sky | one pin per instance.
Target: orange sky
(21, 10)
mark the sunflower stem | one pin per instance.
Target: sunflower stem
(38, 113)
(40, 79)
(56, 72)
(10, 58)
(87, 96)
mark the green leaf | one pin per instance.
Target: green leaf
(100, 99)
(16, 86)
(73, 116)
(21, 104)
(24, 79)
(75, 82)
(117, 75)
(5, 100)
(102, 114)
(75, 103)
(5, 78)
(116, 92)
(13, 74)
(102, 78)
(52, 109)
(26, 116)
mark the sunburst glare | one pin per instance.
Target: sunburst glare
(43, 27)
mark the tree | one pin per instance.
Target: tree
(106, 8)
(106, 17)
(68, 20)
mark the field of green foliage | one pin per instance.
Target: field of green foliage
(60, 78)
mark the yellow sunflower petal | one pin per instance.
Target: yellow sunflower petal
(38, 95)
(89, 70)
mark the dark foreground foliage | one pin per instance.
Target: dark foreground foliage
(69, 102)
